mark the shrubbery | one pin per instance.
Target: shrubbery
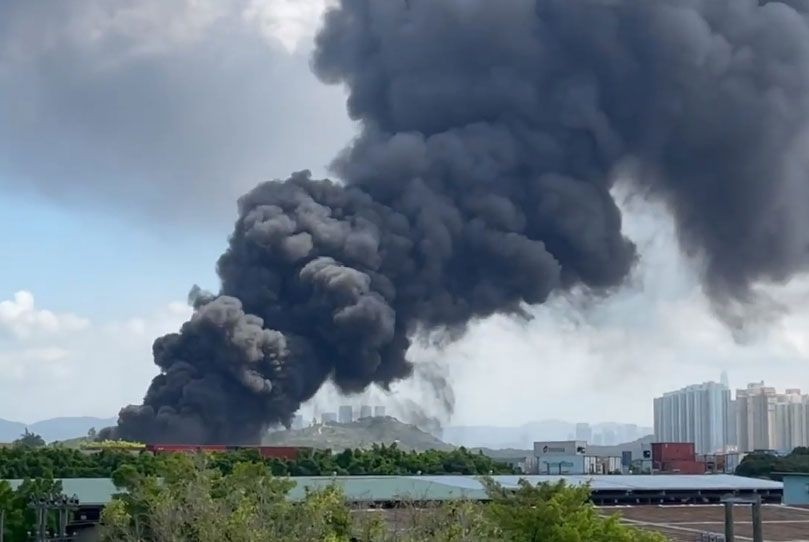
(763, 464)
(192, 501)
(23, 462)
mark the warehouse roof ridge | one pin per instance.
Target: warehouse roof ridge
(99, 491)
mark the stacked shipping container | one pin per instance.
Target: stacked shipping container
(676, 457)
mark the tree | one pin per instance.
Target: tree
(92, 434)
(14, 527)
(19, 516)
(60, 462)
(29, 440)
(555, 513)
(187, 499)
(764, 464)
(190, 501)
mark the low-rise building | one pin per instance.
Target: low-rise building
(571, 457)
(796, 489)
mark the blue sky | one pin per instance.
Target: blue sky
(132, 130)
(99, 265)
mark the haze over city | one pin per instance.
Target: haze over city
(121, 165)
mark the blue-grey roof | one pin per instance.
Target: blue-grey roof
(646, 482)
(98, 491)
(90, 491)
(800, 475)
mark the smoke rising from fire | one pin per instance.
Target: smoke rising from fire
(491, 132)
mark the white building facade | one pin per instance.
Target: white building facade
(768, 420)
(698, 414)
(569, 457)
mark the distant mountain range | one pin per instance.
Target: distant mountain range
(361, 433)
(523, 436)
(54, 428)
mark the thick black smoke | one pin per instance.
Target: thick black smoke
(491, 134)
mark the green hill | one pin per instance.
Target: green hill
(360, 434)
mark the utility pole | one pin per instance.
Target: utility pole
(758, 528)
(755, 504)
(729, 535)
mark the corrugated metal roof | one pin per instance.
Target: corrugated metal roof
(393, 488)
(98, 491)
(645, 482)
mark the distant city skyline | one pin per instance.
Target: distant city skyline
(758, 417)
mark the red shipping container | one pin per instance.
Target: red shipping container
(267, 452)
(682, 467)
(663, 452)
(281, 452)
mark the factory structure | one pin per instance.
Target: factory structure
(568, 457)
(388, 492)
(673, 474)
(575, 458)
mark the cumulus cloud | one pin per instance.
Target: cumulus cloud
(74, 366)
(290, 22)
(165, 110)
(20, 317)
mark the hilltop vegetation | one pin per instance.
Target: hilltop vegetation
(363, 434)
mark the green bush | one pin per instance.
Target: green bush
(186, 499)
(26, 462)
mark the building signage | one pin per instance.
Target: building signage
(564, 447)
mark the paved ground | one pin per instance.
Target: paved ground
(685, 523)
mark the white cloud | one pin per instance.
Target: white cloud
(20, 317)
(292, 23)
(92, 370)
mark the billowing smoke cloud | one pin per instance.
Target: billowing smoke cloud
(481, 182)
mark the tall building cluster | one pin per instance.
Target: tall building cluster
(767, 420)
(349, 414)
(759, 418)
(698, 414)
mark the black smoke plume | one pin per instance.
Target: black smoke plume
(480, 183)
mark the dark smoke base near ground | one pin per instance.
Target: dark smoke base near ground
(480, 183)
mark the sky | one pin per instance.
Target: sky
(130, 130)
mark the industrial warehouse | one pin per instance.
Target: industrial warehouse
(636, 498)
